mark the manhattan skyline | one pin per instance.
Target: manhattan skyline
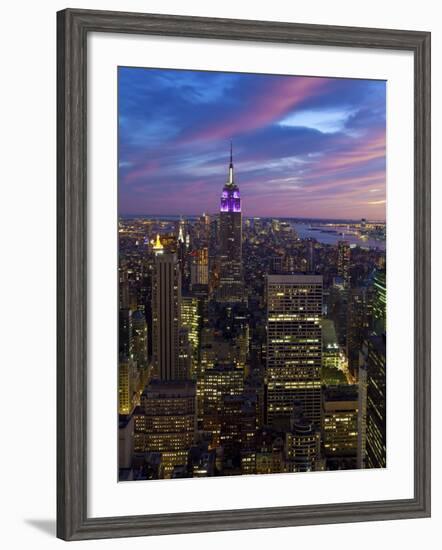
(250, 341)
(305, 147)
(246, 348)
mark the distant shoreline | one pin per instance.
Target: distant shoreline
(177, 217)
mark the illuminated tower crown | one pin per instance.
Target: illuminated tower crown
(158, 248)
(230, 199)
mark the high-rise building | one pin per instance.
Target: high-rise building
(362, 410)
(125, 332)
(166, 309)
(127, 383)
(340, 425)
(170, 411)
(344, 262)
(199, 269)
(238, 425)
(184, 356)
(373, 367)
(191, 320)
(230, 246)
(123, 288)
(139, 337)
(330, 372)
(303, 446)
(294, 346)
(182, 252)
(380, 302)
(358, 323)
(337, 309)
(219, 381)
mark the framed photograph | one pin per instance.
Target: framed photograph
(243, 218)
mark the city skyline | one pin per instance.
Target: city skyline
(245, 348)
(251, 344)
(305, 147)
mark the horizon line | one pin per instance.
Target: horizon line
(138, 215)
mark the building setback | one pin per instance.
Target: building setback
(230, 247)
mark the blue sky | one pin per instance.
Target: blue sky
(303, 146)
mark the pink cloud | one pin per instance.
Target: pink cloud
(147, 169)
(270, 105)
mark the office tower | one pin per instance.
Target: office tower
(359, 307)
(380, 302)
(344, 262)
(199, 269)
(337, 308)
(127, 383)
(340, 425)
(170, 411)
(139, 337)
(125, 333)
(166, 309)
(191, 320)
(123, 288)
(202, 229)
(181, 246)
(373, 362)
(184, 355)
(238, 432)
(294, 346)
(219, 381)
(303, 446)
(254, 389)
(230, 246)
(330, 372)
(362, 410)
(311, 256)
(157, 246)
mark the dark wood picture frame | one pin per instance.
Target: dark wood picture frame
(73, 27)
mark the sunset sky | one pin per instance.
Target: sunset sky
(303, 146)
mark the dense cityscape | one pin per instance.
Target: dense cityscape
(250, 345)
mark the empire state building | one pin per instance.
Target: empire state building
(231, 280)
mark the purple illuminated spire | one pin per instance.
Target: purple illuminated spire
(230, 198)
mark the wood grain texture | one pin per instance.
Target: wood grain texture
(72, 29)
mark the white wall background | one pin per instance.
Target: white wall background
(27, 176)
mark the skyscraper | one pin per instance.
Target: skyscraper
(170, 420)
(191, 320)
(126, 385)
(230, 249)
(294, 346)
(219, 381)
(359, 311)
(340, 425)
(344, 262)
(125, 333)
(199, 269)
(166, 304)
(330, 373)
(139, 333)
(373, 362)
(380, 302)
